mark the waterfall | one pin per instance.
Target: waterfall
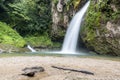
(71, 37)
(30, 48)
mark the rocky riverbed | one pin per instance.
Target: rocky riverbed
(11, 68)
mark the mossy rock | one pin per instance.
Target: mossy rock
(10, 36)
(100, 32)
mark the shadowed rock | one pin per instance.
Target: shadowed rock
(30, 72)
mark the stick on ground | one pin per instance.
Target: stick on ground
(74, 70)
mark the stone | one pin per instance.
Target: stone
(1, 50)
(30, 72)
(59, 6)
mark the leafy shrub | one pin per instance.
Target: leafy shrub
(10, 36)
(27, 16)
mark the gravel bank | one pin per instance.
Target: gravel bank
(11, 68)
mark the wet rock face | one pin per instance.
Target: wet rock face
(60, 6)
(101, 32)
(62, 13)
(114, 30)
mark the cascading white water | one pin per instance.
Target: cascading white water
(71, 37)
(30, 48)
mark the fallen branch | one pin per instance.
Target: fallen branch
(82, 71)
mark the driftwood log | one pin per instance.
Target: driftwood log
(74, 70)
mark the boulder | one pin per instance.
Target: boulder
(30, 72)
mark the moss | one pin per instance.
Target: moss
(76, 3)
(10, 36)
(39, 40)
(55, 1)
(94, 30)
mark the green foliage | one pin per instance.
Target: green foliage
(94, 30)
(55, 1)
(92, 21)
(40, 40)
(30, 18)
(75, 3)
(116, 15)
(98, 13)
(9, 36)
(27, 16)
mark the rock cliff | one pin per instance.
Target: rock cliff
(101, 30)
